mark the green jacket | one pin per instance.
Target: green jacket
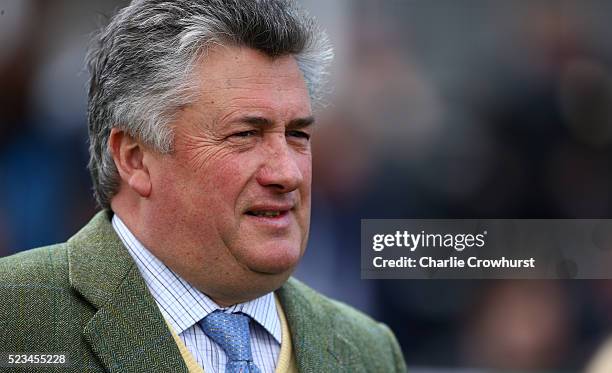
(86, 298)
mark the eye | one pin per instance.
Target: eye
(245, 134)
(299, 134)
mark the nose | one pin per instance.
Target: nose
(280, 170)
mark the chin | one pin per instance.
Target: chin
(273, 259)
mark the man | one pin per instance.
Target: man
(200, 122)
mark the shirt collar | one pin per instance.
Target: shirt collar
(181, 304)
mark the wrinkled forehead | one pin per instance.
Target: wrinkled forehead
(238, 76)
(233, 66)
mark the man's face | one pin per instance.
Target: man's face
(231, 204)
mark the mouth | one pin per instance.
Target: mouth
(271, 215)
(266, 213)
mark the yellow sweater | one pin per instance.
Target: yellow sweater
(286, 359)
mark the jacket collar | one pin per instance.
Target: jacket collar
(127, 331)
(316, 332)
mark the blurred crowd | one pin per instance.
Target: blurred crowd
(439, 109)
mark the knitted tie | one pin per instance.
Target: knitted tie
(231, 332)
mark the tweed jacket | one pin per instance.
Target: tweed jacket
(86, 298)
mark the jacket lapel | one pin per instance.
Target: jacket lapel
(317, 345)
(127, 332)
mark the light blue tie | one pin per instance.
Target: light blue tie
(231, 332)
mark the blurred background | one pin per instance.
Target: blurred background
(439, 109)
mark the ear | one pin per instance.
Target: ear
(128, 155)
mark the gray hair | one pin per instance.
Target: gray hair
(142, 63)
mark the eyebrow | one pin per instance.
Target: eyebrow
(293, 124)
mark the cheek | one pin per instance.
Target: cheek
(209, 171)
(227, 176)
(305, 165)
(168, 182)
(220, 184)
